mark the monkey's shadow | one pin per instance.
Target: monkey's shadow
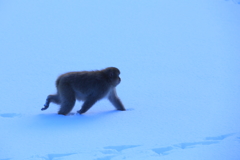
(54, 120)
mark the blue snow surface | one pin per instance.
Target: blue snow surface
(180, 72)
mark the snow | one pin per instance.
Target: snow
(179, 63)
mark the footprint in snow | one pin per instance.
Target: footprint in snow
(235, 1)
(9, 115)
(105, 158)
(120, 148)
(123, 151)
(186, 145)
(52, 156)
(222, 137)
(112, 151)
(163, 151)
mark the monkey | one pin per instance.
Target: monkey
(86, 86)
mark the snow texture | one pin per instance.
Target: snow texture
(179, 63)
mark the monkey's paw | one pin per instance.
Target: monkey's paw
(80, 112)
(122, 109)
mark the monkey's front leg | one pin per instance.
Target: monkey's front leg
(87, 105)
(113, 98)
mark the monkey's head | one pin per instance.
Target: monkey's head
(112, 75)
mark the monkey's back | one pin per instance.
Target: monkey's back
(85, 83)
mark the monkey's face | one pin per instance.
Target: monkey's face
(112, 74)
(116, 81)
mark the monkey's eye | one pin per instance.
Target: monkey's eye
(111, 75)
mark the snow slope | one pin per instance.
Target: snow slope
(179, 63)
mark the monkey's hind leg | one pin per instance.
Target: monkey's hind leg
(66, 107)
(67, 101)
(51, 98)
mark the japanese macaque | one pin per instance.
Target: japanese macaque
(87, 86)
